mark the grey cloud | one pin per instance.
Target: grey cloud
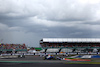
(27, 21)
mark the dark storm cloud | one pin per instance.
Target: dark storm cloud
(28, 21)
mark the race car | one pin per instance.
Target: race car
(51, 57)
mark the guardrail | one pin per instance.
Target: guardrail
(53, 54)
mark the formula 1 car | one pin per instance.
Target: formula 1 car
(51, 57)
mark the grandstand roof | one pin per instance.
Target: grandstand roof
(71, 39)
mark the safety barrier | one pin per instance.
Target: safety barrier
(54, 54)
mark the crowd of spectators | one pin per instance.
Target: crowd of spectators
(70, 45)
(12, 46)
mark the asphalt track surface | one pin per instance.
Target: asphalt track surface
(36, 61)
(46, 65)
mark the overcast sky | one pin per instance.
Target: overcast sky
(28, 21)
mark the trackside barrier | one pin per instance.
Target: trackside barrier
(61, 53)
(92, 53)
(50, 53)
(83, 53)
(72, 53)
(53, 54)
(98, 52)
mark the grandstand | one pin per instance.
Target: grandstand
(8, 48)
(71, 44)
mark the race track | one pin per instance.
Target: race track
(36, 61)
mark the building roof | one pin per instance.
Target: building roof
(71, 39)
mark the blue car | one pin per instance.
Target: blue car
(51, 57)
